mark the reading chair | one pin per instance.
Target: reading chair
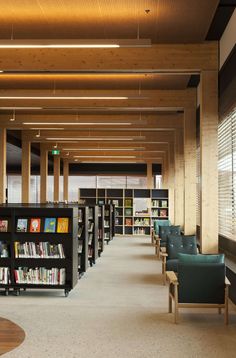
(201, 282)
(155, 231)
(176, 244)
(164, 231)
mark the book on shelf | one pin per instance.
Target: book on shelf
(106, 235)
(80, 230)
(128, 212)
(63, 225)
(90, 252)
(22, 225)
(4, 249)
(101, 201)
(115, 202)
(164, 204)
(128, 203)
(50, 225)
(90, 226)
(128, 221)
(42, 250)
(116, 221)
(35, 225)
(90, 213)
(163, 213)
(107, 213)
(80, 215)
(140, 231)
(3, 225)
(90, 239)
(106, 223)
(40, 276)
(142, 221)
(155, 212)
(155, 203)
(4, 275)
(80, 246)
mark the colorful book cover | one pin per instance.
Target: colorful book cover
(35, 225)
(62, 225)
(50, 225)
(22, 225)
(163, 212)
(3, 225)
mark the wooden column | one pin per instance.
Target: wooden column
(179, 178)
(171, 182)
(3, 164)
(65, 179)
(56, 171)
(209, 161)
(190, 164)
(43, 173)
(165, 172)
(25, 169)
(149, 176)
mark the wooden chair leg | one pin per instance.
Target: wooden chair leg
(176, 305)
(219, 310)
(226, 318)
(170, 301)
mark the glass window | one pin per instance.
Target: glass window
(227, 176)
(111, 182)
(14, 188)
(136, 182)
(76, 182)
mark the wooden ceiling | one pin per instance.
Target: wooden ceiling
(152, 101)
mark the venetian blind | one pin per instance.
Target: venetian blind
(227, 175)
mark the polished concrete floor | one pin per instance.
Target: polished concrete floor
(118, 310)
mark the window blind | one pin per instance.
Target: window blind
(227, 176)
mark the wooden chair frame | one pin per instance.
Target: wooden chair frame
(173, 280)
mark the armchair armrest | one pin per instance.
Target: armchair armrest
(163, 253)
(171, 276)
(227, 282)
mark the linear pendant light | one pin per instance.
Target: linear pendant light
(75, 43)
(77, 124)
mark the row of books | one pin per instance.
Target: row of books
(39, 250)
(143, 222)
(159, 212)
(90, 226)
(107, 213)
(4, 275)
(51, 225)
(106, 223)
(80, 230)
(4, 249)
(160, 203)
(140, 231)
(40, 276)
(80, 246)
(128, 212)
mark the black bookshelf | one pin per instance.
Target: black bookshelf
(82, 239)
(93, 234)
(108, 222)
(100, 229)
(40, 259)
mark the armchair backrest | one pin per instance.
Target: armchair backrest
(201, 282)
(158, 223)
(165, 231)
(177, 244)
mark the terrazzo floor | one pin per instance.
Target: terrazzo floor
(118, 310)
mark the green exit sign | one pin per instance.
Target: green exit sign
(55, 152)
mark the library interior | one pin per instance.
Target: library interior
(117, 180)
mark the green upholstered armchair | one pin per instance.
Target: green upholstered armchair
(164, 231)
(201, 282)
(175, 245)
(156, 231)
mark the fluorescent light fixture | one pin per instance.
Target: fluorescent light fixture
(68, 97)
(20, 108)
(95, 138)
(105, 156)
(48, 129)
(78, 124)
(102, 149)
(75, 43)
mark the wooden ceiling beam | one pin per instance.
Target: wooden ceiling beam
(161, 57)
